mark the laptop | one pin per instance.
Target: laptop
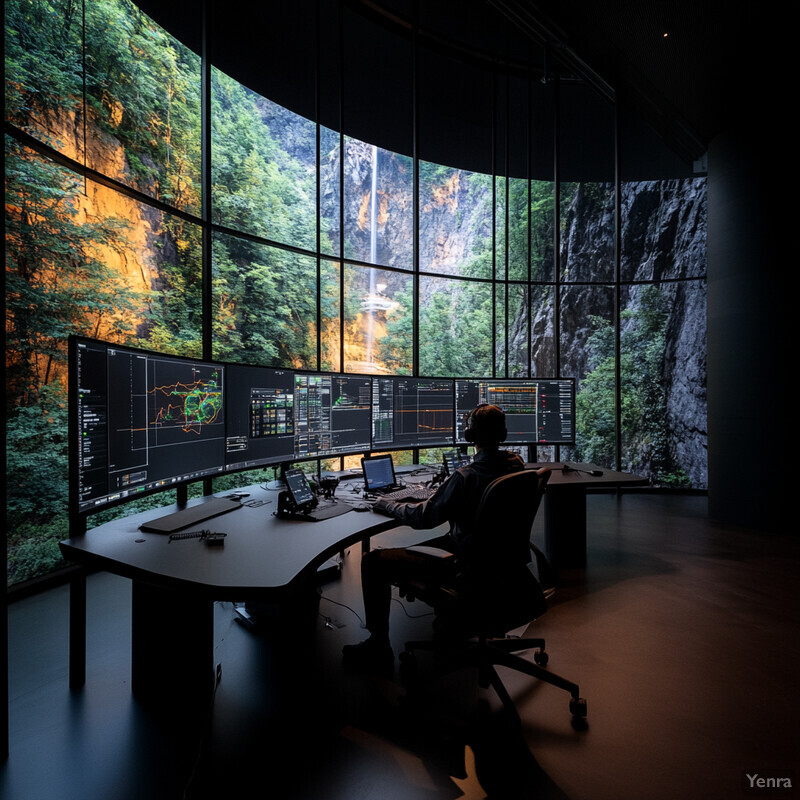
(379, 476)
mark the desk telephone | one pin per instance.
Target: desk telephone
(297, 501)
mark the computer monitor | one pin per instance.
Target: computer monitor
(332, 414)
(412, 412)
(260, 427)
(140, 422)
(539, 411)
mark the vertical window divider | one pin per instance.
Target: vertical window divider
(318, 204)
(506, 215)
(556, 84)
(494, 223)
(83, 90)
(341, 187)
(617, 289)
(415, 366)
(205, 179)
(529, 217)
(205, 206)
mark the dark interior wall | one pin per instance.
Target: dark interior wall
(749, 428)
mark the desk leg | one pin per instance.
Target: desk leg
(172, 659)
(565, 527)
(77, 630)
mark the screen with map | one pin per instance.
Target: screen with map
(142, 422)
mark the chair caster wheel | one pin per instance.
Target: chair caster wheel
(578, 710)
(541, 658)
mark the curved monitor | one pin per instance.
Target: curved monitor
(412, 412)
(259, 418)
(332, 414)
(539, 411)
(141, 422)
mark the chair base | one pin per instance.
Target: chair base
(485, 654)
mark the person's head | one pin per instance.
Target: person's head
(486, 426)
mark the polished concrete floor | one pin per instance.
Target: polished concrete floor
(682, 633)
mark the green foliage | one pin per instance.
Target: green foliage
(43, 66)
(37, 485)
(643, 412)
(144, 89)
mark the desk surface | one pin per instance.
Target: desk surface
(261, 553)
(577, 474)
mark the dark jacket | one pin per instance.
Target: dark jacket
(456, 500)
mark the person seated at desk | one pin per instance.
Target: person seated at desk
(455, 501)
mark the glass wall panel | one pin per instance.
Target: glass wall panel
(518, 330)
(588, 354)
(455, 327)
(378, 206)
(378, 321)
(80, 259)
(265, 304)
(543, 354)
(663, 229)
(329, 192)
(44, 74)
(500, 204)
(455, 221)
(501, 329)
(662, 374)
(264, 167)
(143, 95)
(542, 230)
(330, 321)
(518, 229)
(587, 231)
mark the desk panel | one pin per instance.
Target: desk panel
(175, 583)
(565, 522)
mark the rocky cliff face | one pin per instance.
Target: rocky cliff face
(663, 240)
(663, 237)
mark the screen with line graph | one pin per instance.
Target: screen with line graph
(144, 422)
(411, 412)
(539, 411)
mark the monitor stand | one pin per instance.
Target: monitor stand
(278, 482)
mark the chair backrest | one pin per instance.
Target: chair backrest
(506, 514)
(501, 592)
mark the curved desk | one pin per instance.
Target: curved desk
(175, 583)
(565, 507)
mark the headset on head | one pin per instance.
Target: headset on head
(469, 426)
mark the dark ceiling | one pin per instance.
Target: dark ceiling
(687, 65)
(682, 67)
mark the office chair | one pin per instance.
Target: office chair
(474, 614)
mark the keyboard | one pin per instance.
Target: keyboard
(413, 493)
(191, 516)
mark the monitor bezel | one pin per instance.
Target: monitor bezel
(116, 499)
(461, 442)
(434, 444)
(281, 460)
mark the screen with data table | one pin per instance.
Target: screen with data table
(539, 411)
